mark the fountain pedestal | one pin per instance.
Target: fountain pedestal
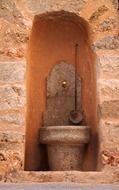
(65, 146)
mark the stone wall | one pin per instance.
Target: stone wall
(15, 25)
(13, 38)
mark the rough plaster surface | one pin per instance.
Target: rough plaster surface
(15, 23)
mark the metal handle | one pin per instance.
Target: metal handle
(76, 61)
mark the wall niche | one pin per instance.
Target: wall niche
(52, 41)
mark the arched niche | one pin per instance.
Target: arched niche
(52, 40)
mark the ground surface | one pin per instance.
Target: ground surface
(57, 186)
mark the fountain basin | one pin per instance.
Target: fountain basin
(65, 146)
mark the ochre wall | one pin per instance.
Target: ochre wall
(52, 39)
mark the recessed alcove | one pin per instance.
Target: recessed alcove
(52, 41)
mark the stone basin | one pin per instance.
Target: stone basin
(65, 146)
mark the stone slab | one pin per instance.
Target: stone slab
(61, 99)
(12, 71)
(108, 42)
(109, 24)
(108, 89)
(109, 135)
(8, 137)
(108, 66)
(13, 117)
(104, 177)
(109, 109)
(12, 96)
(42, 6)
(57, 186)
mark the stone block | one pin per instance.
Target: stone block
(109, 141)
(12, 96)
(99, 12)
(10, 137)
(108, 66)
(110, 158)
(12, 117)
(109, 109)
(108, 42)
(11, 162)
(115, 3)
(109, 135)
(11, 154)
(10, 12)
(108, 89)
(109, 24)
(12, 71)
(42, 6)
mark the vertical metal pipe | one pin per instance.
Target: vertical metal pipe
(76, 61)
(76, 115)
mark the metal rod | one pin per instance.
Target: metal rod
(76, 60)
(75, 116)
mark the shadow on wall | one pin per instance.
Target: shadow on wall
(52, 40)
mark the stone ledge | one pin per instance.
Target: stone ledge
(67, 176)
(59, 186)
(12, 71)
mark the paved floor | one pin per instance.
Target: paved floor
(57, 186)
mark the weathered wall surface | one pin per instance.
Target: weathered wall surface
(13, 38)
(15, 25)
(58, 32)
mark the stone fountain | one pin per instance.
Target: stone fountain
(65, 146)
(64, 131)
